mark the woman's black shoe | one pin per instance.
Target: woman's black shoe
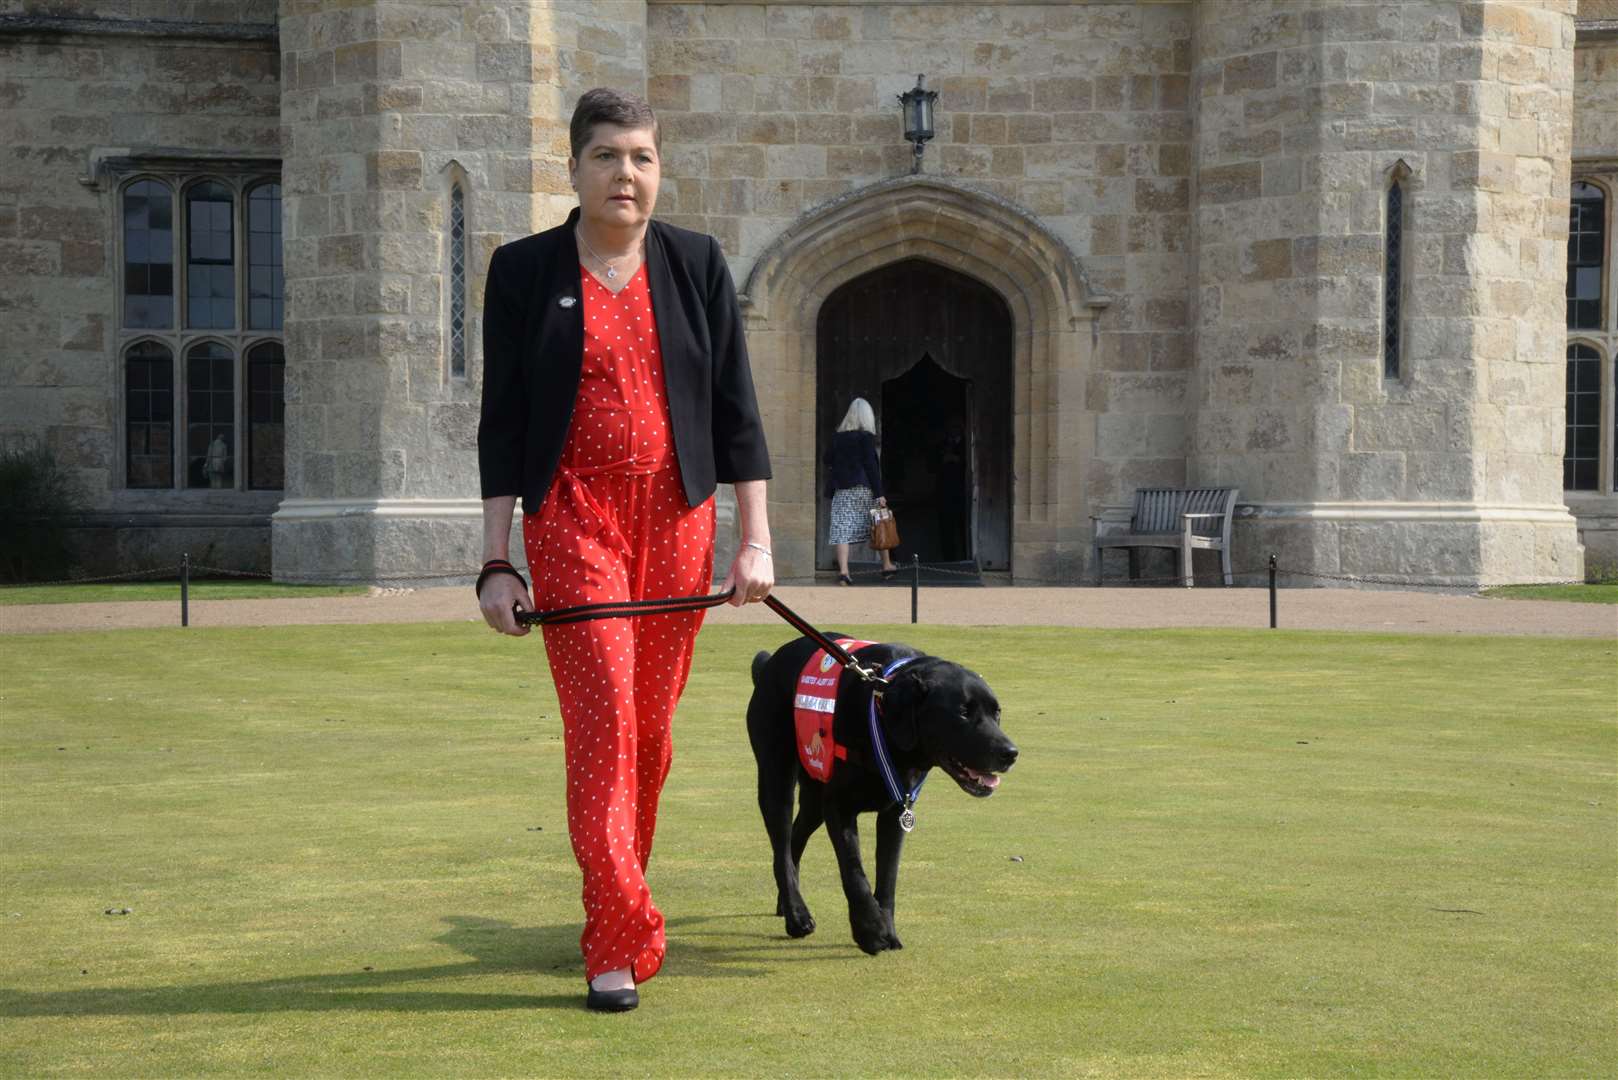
(844, 579)
(886, 574)
(612, 1000)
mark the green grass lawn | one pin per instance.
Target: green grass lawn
(1579, 594)
(1250, 853)
(113, 592)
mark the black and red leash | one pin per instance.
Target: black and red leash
(673, 605)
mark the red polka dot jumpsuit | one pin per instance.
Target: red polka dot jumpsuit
(615, 526)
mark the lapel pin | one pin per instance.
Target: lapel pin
(566, 302)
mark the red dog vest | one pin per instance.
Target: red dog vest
(812, 709)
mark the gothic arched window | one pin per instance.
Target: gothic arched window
(148, 255)
(457, 281)
(148, 415)
(1586, 243)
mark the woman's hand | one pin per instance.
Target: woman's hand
(502, 592)
(752, 575)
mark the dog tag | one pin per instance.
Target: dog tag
(907, 820)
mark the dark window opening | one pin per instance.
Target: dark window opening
(1391, 283)
(148, 256)
(457, 281)
(149, 416)
(266, 416)
(210, 281)
(210, 428)
(1586, 243)
(1581, 457)
(265, 282)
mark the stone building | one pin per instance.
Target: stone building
(1318, 251)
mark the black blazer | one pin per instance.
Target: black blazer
(533, 352)
(852, 457)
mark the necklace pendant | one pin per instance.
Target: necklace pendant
(907, 820)
(611, 273)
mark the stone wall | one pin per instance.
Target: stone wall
(66, 101)
(386, 105)
(1595, 102)
(1076, 114)
(1304, 113)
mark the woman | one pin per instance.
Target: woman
(853, 480)
(616, 394)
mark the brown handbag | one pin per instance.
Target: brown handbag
(884, 530)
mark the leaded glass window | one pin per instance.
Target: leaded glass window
(202, 362)
(148, 215)
(210, 421)
(149, 416)
(1581, 457)
(266, 416)
(1391, 281)
(210, 257)
(457, 281)
(1586, 242)
(265, 285)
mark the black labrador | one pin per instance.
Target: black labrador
(933, 712)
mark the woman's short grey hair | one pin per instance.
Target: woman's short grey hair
(606, 106)
(859, 417)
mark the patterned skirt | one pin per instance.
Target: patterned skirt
(851, 516)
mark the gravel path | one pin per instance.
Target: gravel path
(830, 606)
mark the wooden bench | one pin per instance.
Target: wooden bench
(1182, 520)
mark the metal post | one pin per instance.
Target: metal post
(1272, 591)
(915, 584)
(185, 589)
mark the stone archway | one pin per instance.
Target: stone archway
(1053, 308)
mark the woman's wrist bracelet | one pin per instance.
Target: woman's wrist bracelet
(497, 566)
(760, 547)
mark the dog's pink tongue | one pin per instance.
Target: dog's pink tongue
(988, 780)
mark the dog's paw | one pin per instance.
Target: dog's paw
(800, 923)
(874, 937)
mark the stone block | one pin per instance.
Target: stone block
(367, 61)
(1483, 169)
(1243, 74)
(60, 223)
(1230, 183)
(394, 170)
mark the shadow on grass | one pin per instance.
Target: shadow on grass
(496, 948)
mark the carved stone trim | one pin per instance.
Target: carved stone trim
(59, 25)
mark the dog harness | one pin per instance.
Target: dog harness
(812, 709)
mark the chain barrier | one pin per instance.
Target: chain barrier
(903, 574)
(900, 574)
(198, 567)
(130, 576)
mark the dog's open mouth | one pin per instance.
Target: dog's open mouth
(979, 785)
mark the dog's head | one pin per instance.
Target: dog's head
(950, 716)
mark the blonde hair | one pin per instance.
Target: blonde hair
(859, 417)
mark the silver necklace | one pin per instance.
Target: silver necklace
(612, 273)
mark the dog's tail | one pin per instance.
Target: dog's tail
(760, 658)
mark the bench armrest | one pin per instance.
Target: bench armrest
(1202, 515)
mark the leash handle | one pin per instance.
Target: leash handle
(621, 609)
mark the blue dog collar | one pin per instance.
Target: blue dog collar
(907, 819)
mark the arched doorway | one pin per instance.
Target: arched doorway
(1053, 314)
(931, 349)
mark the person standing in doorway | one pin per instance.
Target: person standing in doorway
(616, 394)
(854, 485)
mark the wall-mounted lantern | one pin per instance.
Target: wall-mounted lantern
(918, 109)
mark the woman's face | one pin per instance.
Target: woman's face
(616, 176)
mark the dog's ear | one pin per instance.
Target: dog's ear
(901, 709)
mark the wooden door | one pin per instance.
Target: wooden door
(930, 349)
